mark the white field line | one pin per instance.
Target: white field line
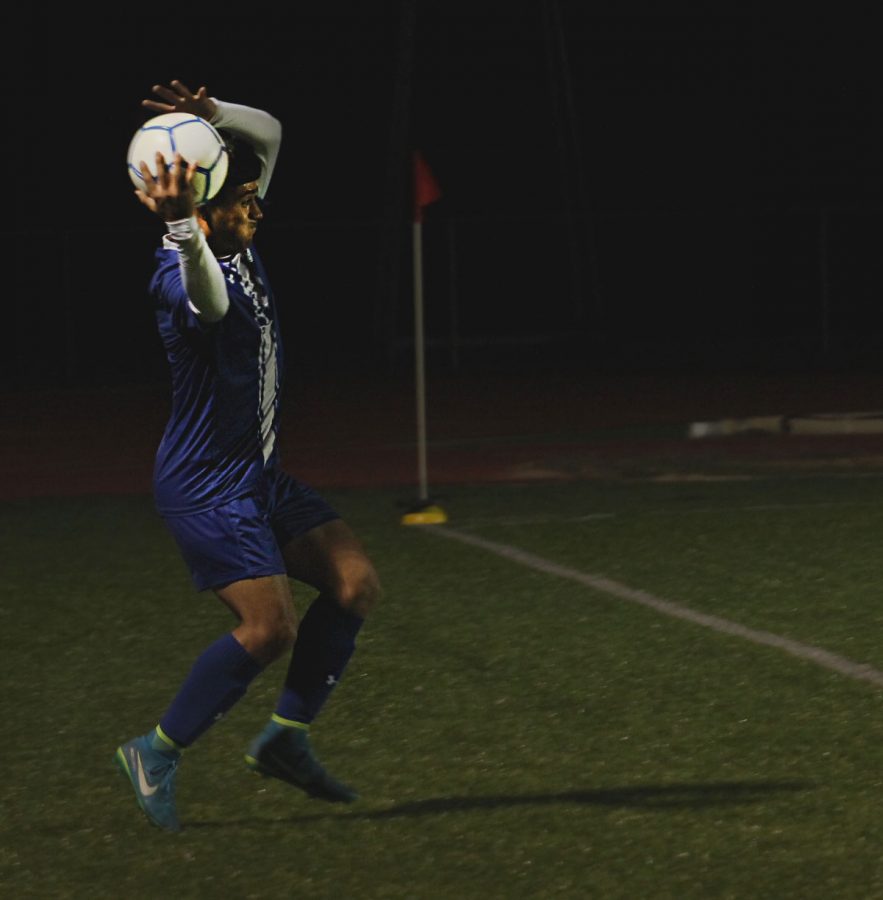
(817, 655)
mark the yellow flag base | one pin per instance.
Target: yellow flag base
(428, 515)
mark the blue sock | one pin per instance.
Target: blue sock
(326, 639)
(217, 680)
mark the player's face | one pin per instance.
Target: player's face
(234, 221)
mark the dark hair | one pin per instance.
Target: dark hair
(243, 166)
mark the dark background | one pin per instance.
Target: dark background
(622, 190)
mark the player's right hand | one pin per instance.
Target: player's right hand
(170, 193)
(179, 98)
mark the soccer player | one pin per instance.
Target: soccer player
(242, 524)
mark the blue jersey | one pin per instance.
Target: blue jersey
(226, 381)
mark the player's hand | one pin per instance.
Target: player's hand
(179, 98)
(170, 193)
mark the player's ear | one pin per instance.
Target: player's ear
(202, 217)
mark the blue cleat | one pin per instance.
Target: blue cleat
(285, 753)
(152, 774)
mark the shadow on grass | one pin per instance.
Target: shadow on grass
(670, 796)
(650, 797)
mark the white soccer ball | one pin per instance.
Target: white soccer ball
(194, 138)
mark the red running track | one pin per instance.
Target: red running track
(347, 432)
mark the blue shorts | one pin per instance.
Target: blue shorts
(243, 538)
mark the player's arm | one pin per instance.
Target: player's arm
(170, 196)
(259, 128)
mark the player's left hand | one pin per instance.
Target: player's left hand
(169, 194)
(179, 98)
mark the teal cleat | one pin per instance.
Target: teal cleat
(285, 753)
(153, 777)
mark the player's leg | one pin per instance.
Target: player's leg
(233, 550)
(320, 550)
(219, 677)
(331, 559)
(222, 673)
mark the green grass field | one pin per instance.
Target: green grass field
(513, 734)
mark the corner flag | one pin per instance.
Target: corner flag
(426, 191)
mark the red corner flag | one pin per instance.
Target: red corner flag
(426, 189)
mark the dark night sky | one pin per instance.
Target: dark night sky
(663, 104)
(706, 145)
(670, 108)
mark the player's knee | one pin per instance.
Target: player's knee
(359, 591)
(271, 639)
(284, 635)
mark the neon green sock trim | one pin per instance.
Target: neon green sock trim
(167, 740)
(289, 723)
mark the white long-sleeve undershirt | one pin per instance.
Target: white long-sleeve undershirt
(200, 272)
(259, 128)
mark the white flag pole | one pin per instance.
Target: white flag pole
(419, 362)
